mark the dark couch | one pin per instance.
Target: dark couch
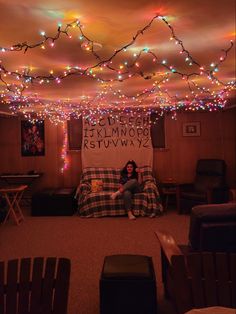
(213, 227)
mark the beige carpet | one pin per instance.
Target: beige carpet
(86, 242)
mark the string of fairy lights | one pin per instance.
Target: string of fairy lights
(110, 99)
(201, 97)
(64, 155)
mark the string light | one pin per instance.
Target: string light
(64, 155)
(124, 72)
(25, 46)
(89, 42)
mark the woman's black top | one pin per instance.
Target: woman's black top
(124, 177)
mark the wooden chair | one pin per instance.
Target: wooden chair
(197, 279)
(34, 286)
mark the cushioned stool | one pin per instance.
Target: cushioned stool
(128, 285)
(54, 202)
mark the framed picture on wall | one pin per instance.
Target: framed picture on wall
(32, 138)
(191, 129)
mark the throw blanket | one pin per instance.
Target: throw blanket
(100, 204)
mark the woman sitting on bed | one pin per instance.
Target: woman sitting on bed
(130, 183)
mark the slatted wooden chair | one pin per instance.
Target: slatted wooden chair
(34, 286)
(197, 279)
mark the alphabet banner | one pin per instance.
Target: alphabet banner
(112, 140)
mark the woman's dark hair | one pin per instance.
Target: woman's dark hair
(130, 162)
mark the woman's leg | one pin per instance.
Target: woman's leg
(127, 196)
(131, 185)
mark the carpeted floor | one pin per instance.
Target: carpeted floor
(86, 242)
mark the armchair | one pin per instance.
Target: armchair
(209, 185)
(197, 279)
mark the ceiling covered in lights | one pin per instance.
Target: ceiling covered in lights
(76, 55)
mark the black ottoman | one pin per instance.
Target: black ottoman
(54, 202)
(128, 285)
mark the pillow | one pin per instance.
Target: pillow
(96, 185)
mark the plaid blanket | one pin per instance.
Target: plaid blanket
(100, 204)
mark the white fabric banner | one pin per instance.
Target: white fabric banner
(112, 140)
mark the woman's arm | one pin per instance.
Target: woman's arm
(121, 189)
(140, 177)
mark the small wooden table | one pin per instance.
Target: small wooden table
(170, 187)
(22, 179)
(13, 196)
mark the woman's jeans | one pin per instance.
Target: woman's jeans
(129, 188)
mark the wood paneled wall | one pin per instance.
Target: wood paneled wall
(178, 160)
(217, 140)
